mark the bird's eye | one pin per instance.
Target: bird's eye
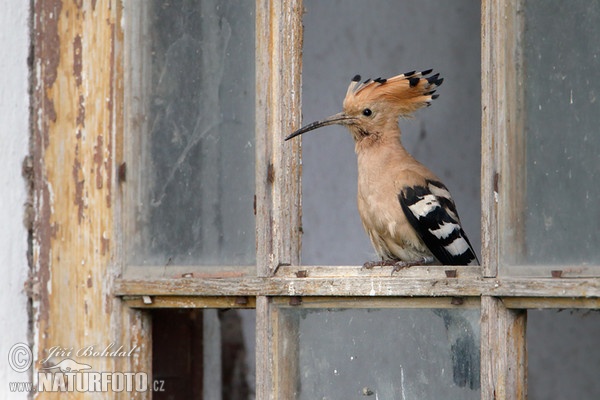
(367, 112)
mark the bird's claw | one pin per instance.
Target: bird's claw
(397, 264)
(371, 264)
(381, 263)
(400, 265)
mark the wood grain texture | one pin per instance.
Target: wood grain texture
(503, 351)
(364, 285)
(77, 87)
(278, 169)
(489, 125)
(504, 149)
(278, 111)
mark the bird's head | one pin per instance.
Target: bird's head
(373, 107)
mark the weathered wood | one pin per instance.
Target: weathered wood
(550, 303)
(264, 349)
(77, 93)
(190, 301)
(512, 140)
(503, 351)
(278, 167)
(503, 137)
(493, 122)
(362, 286)
(380, 302)
(286, 355)
(278, 111)
(524, 271)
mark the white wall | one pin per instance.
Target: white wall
(14, 139)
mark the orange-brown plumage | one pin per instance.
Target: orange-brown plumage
(407, 212)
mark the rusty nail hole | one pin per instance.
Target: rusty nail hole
(450, 273)
(496, 179)
(122, 172)
(295, 300)
(270, 173)
(302, 273)
(556, 273)
(457, 301)
(241, 300)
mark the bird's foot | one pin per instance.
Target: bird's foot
(381, 263)
(397, 264)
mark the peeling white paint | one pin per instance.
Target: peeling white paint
(14, 140)
(291, 289)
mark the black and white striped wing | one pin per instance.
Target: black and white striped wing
(432, 213)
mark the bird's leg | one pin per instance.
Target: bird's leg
(398, 264)
(380, 263)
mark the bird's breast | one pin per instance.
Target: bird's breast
(381, 213)
(378, 203)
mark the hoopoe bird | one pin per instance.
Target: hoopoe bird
(405, 209)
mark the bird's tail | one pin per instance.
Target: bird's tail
(405, 92)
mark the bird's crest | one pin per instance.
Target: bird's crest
(404, 93)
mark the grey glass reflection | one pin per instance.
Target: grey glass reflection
(387, 353)
(562, 125)
(199, 170)
(563, 356)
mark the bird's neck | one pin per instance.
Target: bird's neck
(384, 141)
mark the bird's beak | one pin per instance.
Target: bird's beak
(339, 118)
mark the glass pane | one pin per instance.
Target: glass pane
(190, 166)
(203, 354)
(561, 100)
(563, 354)
(384, 353)
(383, 38)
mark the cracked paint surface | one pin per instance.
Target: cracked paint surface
(77, 79)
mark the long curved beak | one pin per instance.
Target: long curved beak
(339, 119)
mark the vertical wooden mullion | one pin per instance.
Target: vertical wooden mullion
(278, 197)
(492, 95)
(503, 137)
(503, 351)
(278, 85)
(503, 346)
(132, 327)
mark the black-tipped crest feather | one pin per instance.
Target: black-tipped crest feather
(413, 81)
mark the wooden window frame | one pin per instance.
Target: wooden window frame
(79, 293)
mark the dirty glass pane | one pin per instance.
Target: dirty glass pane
(190, 166)
(203, 354)
(561, 108)
(563, 355)
(382, 353)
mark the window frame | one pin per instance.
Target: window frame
(113, 306)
